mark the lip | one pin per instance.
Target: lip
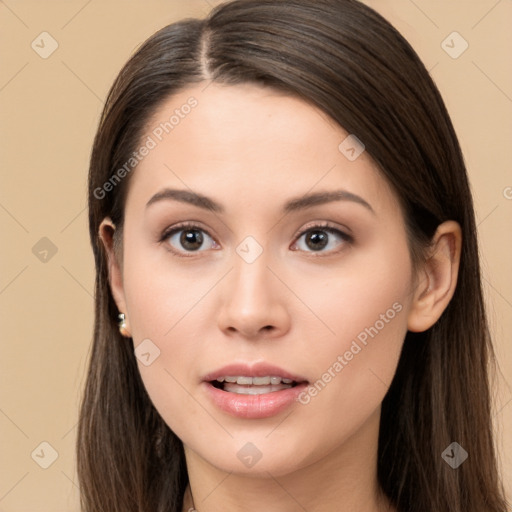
(253, 406)
(255, 370)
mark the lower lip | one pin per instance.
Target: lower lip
(254, 406)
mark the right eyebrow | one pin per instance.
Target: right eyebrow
(186, 196)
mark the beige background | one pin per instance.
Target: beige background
(50, 109)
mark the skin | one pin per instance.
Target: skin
(251, 149)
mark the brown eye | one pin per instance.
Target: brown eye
(318, 238)
(183, 239)
(191, 239)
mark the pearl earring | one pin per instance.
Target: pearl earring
(122, 325)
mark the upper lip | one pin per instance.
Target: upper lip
(260, 369)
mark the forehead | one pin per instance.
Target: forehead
(247, 118)
(248, 142)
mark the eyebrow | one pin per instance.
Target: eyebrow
(295, 204)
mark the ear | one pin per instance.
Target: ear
(115, 274)
(437, 279)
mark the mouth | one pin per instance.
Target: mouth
(245, 385)
(253, 390)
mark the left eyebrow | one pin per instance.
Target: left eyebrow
(295, 204)
(309, 200)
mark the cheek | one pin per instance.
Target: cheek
(161, 292)
(365, 309)
(163, 302)
(365, 298)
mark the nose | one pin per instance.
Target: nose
(252, 301)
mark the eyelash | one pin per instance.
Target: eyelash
(316, 227)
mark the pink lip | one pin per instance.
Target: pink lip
(253, 406)
(255, 370)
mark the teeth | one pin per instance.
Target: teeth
(256, 381)
(254, 390)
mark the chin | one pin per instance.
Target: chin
(257, 457)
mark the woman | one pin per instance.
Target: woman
(283, 228)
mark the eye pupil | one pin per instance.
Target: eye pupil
(317, 238)
(191, 239)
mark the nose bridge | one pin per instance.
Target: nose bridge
(251, 277)
(251, 301)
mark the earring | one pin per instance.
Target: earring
(122, 325)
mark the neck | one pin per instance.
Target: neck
(343, 480)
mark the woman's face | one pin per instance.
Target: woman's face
(297, 259)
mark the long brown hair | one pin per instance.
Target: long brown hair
(346, 59)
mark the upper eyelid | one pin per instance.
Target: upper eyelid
(322, 225)
(192, 225)
(181, 226)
